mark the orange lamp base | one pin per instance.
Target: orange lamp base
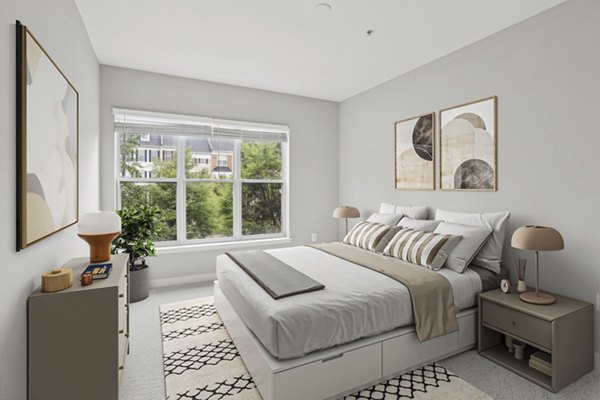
(100, 245)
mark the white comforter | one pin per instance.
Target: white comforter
(356, 302)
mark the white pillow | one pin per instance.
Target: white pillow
(422, 248)
(490, 255)
(473, 238)
(417, 212)
(426, 225)
(386, 219)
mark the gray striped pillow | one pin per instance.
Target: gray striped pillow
(422, 248)
(366, 235)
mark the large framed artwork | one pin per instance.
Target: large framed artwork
(468, 146)
(47, 144)
(414, 153)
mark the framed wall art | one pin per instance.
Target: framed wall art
(414, 153)
(47, 144)
(468, 146)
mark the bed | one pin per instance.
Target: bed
(357, 331)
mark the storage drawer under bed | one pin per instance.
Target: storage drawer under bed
(325, 378)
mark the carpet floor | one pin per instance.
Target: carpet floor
(144, 377)
(201, 362)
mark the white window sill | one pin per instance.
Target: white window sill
(188, 248)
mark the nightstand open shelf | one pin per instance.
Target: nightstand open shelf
(500, 355)
(564, 330)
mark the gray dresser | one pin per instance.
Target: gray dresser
(77, 338)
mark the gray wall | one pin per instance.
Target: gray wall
(314, 149)
(58, 26)
(545, 72)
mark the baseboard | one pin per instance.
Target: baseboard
(182, 280)
(597, 360)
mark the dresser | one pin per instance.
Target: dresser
(564, 330)
(77, 338)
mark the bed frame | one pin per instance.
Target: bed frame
(344, 369)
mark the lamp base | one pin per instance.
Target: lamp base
(540, 298)
(100, 246)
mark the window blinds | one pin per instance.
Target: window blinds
(142, 122)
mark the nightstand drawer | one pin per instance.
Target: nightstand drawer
(517, 323)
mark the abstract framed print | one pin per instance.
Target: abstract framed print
(414, 153)
(47, 144)
(468, 137)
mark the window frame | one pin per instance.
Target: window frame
(236, 180)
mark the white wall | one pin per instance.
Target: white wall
(545, 72)
(314, 148)
(58, 26)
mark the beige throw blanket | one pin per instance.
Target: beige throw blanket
(431, 293)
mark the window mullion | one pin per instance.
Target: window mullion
(181, 191)
(237, 189)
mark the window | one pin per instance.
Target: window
(214, 180)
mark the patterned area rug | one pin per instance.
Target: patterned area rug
(201, 362)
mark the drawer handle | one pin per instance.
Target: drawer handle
(333, 357)
(121, 331)
(121, 295)
(121, 367)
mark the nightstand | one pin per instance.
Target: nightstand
(563, 329)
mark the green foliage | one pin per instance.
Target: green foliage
(261, 160)
(261, 208)
(209, 205)
(138, 225)
(129, 145)
(160, 195)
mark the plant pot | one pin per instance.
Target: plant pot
(139, 284)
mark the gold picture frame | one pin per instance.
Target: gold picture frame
(47, 144)
(468, 146)
(414, 153)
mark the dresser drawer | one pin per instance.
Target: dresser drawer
(123, 316)
(517, 323)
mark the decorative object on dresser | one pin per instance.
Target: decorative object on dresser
(57, 279)
(537, 238)
(99, 229)
(563, 330)
(78, 338)
(521, 264)
(468, 146)
(414, 153)
(47, 143)
(346, 212)
(139, 226)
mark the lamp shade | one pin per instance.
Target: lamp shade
(99, 223)
(537, 238)
(346, 212)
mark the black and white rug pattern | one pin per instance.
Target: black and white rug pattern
(201, 362)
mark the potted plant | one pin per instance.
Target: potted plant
(138, 226)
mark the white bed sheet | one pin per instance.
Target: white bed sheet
(356, 302)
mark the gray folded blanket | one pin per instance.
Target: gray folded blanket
(274, 276)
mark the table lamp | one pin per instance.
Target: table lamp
(99, 229)
(537, 238)
(346, 212)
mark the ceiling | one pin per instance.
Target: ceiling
(291, 46)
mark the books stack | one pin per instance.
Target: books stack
(542, 362)
(98, 271)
